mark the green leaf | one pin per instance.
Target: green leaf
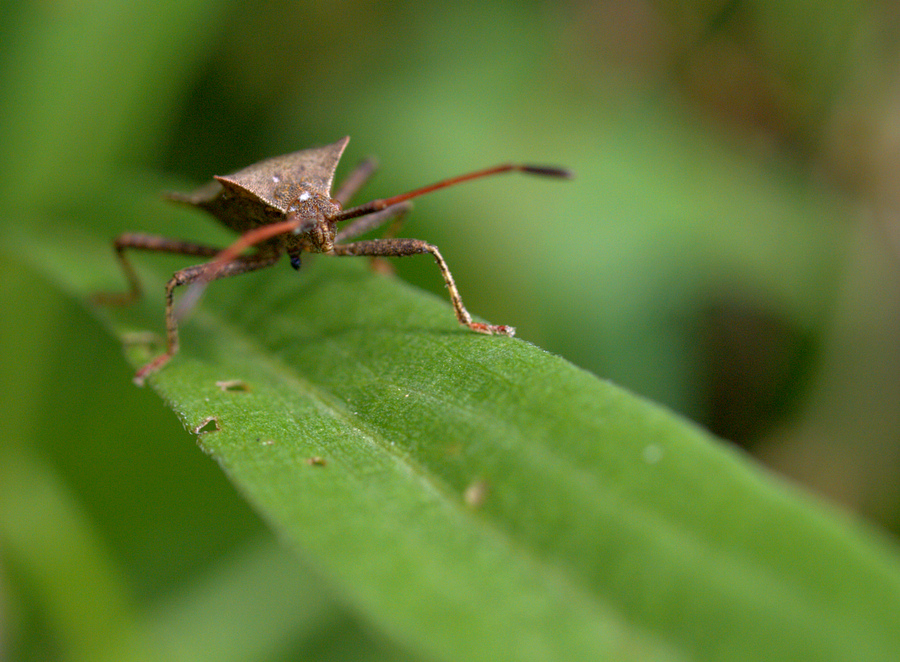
(477, 498)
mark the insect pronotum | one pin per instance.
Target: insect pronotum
(284, 205)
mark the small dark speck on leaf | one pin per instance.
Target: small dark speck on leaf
(207, 425)
(233, 385)
(476, 493)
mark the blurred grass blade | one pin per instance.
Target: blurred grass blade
(256, 605)
(47, 537)
(56, 78)
(480, 499)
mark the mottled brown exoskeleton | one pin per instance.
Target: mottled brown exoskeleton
(284, 205)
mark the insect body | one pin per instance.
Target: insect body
(284, 205)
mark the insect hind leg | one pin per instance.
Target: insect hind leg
(370, 221)
(356, 180)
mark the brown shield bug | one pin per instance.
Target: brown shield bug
(284, 205)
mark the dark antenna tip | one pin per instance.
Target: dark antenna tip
(547, 171)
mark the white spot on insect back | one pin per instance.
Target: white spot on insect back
(304, 196)
(276, 179)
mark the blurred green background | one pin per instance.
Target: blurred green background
(729, 248)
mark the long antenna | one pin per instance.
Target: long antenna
(378, 205)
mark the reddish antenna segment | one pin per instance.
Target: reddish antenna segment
(378, 205)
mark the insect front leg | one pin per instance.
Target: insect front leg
(146, 242)
(190, 275)
(365, 223)
(403, 247)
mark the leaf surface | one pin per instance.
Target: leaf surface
(478, 498)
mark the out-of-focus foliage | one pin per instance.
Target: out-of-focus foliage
(729, 248)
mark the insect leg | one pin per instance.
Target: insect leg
(402, 247)
(240, 265)
(146, 242)
(355, 180)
